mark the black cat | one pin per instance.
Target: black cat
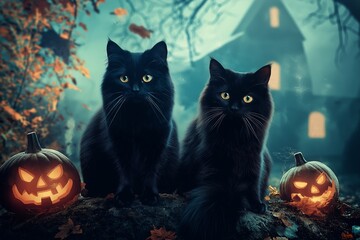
(224, 159)
(131, 146)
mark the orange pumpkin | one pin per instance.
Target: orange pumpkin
(311, 186)
(38, 179)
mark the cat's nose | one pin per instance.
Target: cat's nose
(234, 107)
(135, 88)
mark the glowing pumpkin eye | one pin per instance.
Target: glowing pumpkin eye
(300, 185)
(25, 175)
(147, 78)
(321, 179)
(225, 95)
(56, 172)
(124, 79)
(248, 99)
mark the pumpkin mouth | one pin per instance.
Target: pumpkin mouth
(315, 205)
(37, 198)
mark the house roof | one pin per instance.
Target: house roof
(256, 22)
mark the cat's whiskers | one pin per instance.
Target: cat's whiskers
(108, 105)
(252, 129)
(120, 103)
(210, 117)
(113, 106)
(154, 104)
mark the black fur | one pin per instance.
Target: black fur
(224, 161)
(131, 146)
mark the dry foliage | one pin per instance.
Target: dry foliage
(161, 234)
(38, 55)
(67, 229)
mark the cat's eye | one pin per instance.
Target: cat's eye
(248, 99)
(225, 95)
(147, 78)
(124, 79)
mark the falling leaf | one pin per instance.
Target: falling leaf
(86, 106)
(27, 112)
(14, 114)
(267, 198)
(84, 71)
(140, 30)
(58, 66)
(161, 234)
(83, 26)
(67, 229)
(70, 86)
(119, 12)
(98, 2)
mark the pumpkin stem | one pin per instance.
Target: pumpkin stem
(33, 145)
(299, 159)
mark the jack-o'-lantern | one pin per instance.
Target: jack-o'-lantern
(38, 180)
(311, 186)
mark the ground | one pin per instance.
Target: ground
(98, 218)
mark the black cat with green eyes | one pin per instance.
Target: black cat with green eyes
(130, 146)
(224, 162)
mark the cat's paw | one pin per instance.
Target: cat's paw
(149, 198)
(259, 208)
(124, 197)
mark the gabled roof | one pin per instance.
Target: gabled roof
(256, 23)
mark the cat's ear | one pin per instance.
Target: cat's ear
(113, 48)
(262, 76)
(160, 49)
(216, 70)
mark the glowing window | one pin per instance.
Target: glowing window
(317, 125)
(275, 77)
(274, 17)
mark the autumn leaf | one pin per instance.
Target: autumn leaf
(58, 66)
(67, 229)
(346, 235)
(283, 218)
(273, 191)
(83, 26)
(27, 112)
(161, 234)
(14, 114)
(98, 2)
(83, 70)
(140, 30)
(86, 106)
(70, 86)
(119, 12)
(4, 32)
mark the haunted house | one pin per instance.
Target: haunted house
(302, 120)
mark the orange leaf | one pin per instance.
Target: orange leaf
(58, 66)
(14, 114)
(140, 30)
(70, 86)
(27, 112)
(161, 234)
(119, 12)
(83, 26)
(84, 71)
(86, 106)
(4, 32)
(68, 228)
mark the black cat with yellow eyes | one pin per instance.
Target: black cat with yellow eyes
(224, 161)
(131, 146)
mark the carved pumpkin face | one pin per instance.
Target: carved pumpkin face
(38, 179)
(313, 185)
